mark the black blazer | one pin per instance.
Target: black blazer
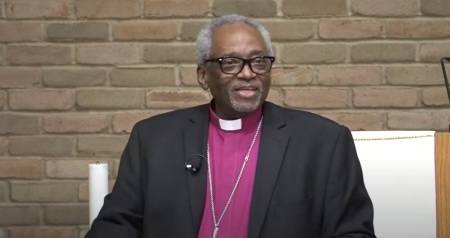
(308, 180)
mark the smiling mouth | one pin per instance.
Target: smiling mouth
(246, 92)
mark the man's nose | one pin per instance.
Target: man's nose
(246, 72)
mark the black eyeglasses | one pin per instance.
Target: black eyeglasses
(234, 65)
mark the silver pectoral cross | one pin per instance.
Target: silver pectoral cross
(216, 231)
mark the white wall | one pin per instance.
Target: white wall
(399, 173)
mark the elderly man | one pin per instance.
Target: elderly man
(238, 166)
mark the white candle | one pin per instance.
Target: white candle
(98, 188)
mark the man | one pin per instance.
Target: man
(239, 166)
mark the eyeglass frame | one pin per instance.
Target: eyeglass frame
(245, 62)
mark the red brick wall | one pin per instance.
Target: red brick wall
(75, 75)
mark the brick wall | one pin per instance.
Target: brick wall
(75, 75)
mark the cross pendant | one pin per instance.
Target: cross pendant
(216, 231)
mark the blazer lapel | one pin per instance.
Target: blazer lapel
(271, 153)
(195, 138)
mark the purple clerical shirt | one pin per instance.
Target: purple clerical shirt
(227, 152)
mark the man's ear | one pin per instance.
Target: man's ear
(201, 77)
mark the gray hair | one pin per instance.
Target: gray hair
(204, 39)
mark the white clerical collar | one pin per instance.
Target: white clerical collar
(230, 125)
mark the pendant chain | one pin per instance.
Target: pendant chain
(217, 222)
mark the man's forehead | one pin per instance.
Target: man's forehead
(237, 34)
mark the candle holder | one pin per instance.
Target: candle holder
(98, 188)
